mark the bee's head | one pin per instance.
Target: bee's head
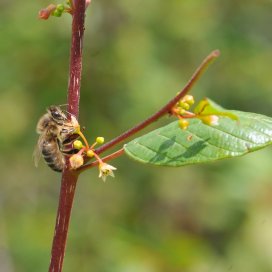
(56, 113)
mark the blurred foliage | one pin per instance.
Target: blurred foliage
(137, 55)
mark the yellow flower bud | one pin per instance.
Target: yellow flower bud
(77, 144)
(100, 140)
(184, 105)
(183, 124)
(189, 99)
(90, 153)
(182, 111)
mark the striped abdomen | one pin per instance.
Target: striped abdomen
(52, 155)
(53, 151)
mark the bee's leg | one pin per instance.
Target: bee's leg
(70, 139)
(67, 132)
(66, 147)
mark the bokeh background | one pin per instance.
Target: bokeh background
(137, 54)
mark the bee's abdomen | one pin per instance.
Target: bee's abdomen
(52, 155)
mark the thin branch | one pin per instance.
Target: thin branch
(69, 178)
(165, 109)
(112, 156)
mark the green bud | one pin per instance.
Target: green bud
(77, 144)
(182, 111)
(90, 153)
(189, 99)
(183, 124)
(184, 105)
(100, 140)
(60, 7)
(56, 13)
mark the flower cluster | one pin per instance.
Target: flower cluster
(182, 107)
(55, 10)
(77, 160)
(59, 9)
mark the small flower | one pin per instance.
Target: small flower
(76, 161)
(106, 170)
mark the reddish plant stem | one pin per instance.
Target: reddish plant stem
(67, 192)
(76, 57)
(69, 178)
(112, 156)
(165, 109)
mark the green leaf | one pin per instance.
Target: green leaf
(200, 143)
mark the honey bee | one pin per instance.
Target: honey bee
(56, 137)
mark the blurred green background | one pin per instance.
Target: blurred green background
(205, 218)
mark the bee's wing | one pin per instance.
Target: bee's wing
(38, 151)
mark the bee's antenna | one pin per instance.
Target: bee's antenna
(67, 112)
(63, 105)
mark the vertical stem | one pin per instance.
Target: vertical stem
(69, 178)
(67, 192)
(76, 57)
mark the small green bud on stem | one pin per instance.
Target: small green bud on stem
(90, 153)
(184, 105)
(100, 140)
(56, 13)
(77, 144)
(60, 7)
(189, 99)
(183, 124)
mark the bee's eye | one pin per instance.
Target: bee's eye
(56, 115)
